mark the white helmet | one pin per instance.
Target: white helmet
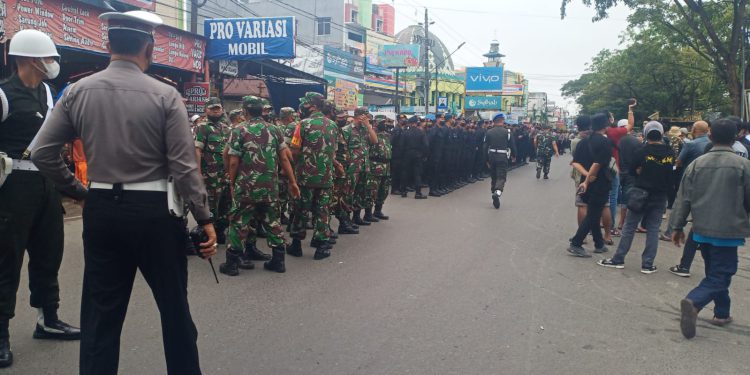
(32, 43)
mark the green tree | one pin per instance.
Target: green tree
(713, 29)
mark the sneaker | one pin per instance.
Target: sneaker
(648, 270)
(679, 271)
(610, 264)
(662, 237)
(721, 322)
(688, 318)
(495, 201)
(578, 251)
(601, 250)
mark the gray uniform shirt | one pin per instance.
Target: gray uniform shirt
(133, 128)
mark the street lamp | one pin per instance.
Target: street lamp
(437, 66)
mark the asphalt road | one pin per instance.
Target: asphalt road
(447, 286)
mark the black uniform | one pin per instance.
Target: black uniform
(437, 144)
(498, 146)
(396, 158)
(31, 214)
(414, 145)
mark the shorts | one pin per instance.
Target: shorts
(581, 203)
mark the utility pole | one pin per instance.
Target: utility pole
(426, 43)
(194, 14)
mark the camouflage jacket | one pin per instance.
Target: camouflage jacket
(380, 155)
(257, 144)
(315, 138)
(211, 138)
(357, 140)
(544, 143)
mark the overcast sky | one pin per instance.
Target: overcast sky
(536, 42)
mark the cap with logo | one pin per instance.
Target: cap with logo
(135, 20)
(213, 102)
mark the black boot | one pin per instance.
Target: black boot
(538, 173)
(232, 265)
(379, 212)
(350, 223)
(403, 193)
(284, 219)
(434, 193)
(221, 236)
(322, 252)
(252, 253)
(50, 327)
(358, 220)
(369, 217)
(546, 176)
(345, 228)
(295, 249)
(6, 356)
(262, 232)
(419, 195)
(276, 263)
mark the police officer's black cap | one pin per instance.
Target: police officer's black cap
(413, 120)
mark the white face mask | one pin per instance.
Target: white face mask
(52, 70)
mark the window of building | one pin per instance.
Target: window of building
(324, 25)
(356, 37)
(379, 26)
(355, 15)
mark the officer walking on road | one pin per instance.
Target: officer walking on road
(499, 148)
(31, 216)
(134, 148)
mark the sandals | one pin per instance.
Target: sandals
(641, 230)
(609, 242)
(615, 232)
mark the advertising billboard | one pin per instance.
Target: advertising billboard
(512, 90)
(399, 55)
(483, 102)
(250, 38)
(484, 79)
(196, 95)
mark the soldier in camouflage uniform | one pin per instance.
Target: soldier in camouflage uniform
(257, 149)
(287, 117)
(236, 117)
(314, 145)
(546, 146)
(343, 189)
(379, 183)
(211, 137)
(358, 136)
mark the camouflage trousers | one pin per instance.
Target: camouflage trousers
(359, 198)
(377, 190)
(283, 202)
(342, 191)
(219, 203)
(543, 162)
(316, 201)
(245, 219)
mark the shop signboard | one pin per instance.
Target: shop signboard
(338, 64)
(442, 103)
(77, 25)
(229, 68)
(484, 79)
(483, 102)
(512, 90)
(196, 95)
(250, 38)
(345, 95)
(144, 4)
(399, 55)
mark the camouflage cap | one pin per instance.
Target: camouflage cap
(251, 101)
(380, 118)
(286, 112)
(341, 113)
(361, 111)
(234, 113)
(213, 102)
(313, 98)
(266, 104)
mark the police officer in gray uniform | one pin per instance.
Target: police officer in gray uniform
(136, 136)
(31, 217)
(499, 147)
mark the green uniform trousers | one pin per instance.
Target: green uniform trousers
(315, 201)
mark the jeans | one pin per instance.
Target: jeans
(590, 223)
(688, 252)
(721, 265)
(614, 192)
(651, 217)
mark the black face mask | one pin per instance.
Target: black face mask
(382, 127)
(341, 123)
(214, 118)
(305, 112)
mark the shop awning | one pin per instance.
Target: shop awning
(273, 71)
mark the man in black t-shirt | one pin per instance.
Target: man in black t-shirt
(594, 154)
(628, 145)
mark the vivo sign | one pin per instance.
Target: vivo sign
(483, 79)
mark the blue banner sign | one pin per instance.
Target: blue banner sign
(484, 79)
(483, 102)
(249, 38)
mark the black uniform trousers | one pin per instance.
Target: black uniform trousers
(123, 233)
(498, 170)
(31, 219)
(412, 165)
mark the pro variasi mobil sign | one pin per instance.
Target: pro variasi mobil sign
(484, 79)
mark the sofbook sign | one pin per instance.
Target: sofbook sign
(250, 38)
(484, 79)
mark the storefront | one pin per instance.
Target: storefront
(81, 39)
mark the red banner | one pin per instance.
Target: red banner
(144, 4)
(77, 25)
(196, 95)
